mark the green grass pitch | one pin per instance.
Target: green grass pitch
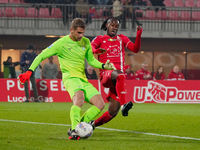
(44, 126)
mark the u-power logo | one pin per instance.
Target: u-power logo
(159, 93)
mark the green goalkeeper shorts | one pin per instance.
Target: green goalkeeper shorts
(74, 84)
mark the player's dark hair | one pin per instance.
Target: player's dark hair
(103, 26)
(78, 22)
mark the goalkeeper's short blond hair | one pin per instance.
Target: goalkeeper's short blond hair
(78, 22)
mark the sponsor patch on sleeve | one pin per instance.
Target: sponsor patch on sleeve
(50, 46)
(94, 39)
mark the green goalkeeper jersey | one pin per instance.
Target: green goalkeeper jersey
(71, 55)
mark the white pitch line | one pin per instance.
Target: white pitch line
(111, 129)
(21, 109)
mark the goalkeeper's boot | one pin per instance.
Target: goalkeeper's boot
(69, 131)
(92, 124)
(125, 108)
(74, 136)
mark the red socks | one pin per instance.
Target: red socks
(106, 117)
(121, 92)
(120, 88)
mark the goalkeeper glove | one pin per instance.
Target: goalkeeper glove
(108, 66)
(24, 76)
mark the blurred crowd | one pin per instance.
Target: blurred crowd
(121, 9)
(144, 74)
(48, 71)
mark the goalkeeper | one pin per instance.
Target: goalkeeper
(72, 50)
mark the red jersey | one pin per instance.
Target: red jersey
(129, 76)
(139, 75)
(175, 76)
(162, 76)
(115, 47)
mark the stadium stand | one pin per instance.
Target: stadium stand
(44, 13)
(94, 13)
(123, 1)
(161, 14)
(195, 15)
(189, 3)
(168, 3)
(20, 12)
(185, 15)
(150, 14)
(8, 12)
(139, 13)
(14, 1)
(173, 14)
(100, 12)
(56, 13)
(32, 12)
(3, 1)
(198, 3)
(178, 3)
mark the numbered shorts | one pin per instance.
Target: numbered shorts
(74, 84)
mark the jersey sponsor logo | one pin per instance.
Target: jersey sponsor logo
(104, 41)
(112, 39)
(50, 46)
(113, 51)
(159, 93)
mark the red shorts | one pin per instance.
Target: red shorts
(105, 78)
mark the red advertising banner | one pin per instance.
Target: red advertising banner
(137, 91)
(164, 91)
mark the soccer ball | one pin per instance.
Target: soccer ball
(84, 129)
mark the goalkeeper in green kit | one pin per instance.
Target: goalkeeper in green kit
(72, 50)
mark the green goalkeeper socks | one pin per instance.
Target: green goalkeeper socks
(75, 115)
(90, 114)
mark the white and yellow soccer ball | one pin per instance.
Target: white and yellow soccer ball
(84, 129)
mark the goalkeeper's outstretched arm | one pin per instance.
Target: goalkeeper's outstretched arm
(25, 76)
(50, 51)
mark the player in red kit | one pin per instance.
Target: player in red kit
(112, 46)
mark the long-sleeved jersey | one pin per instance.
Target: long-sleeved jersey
(71, 55)
(115, 48)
